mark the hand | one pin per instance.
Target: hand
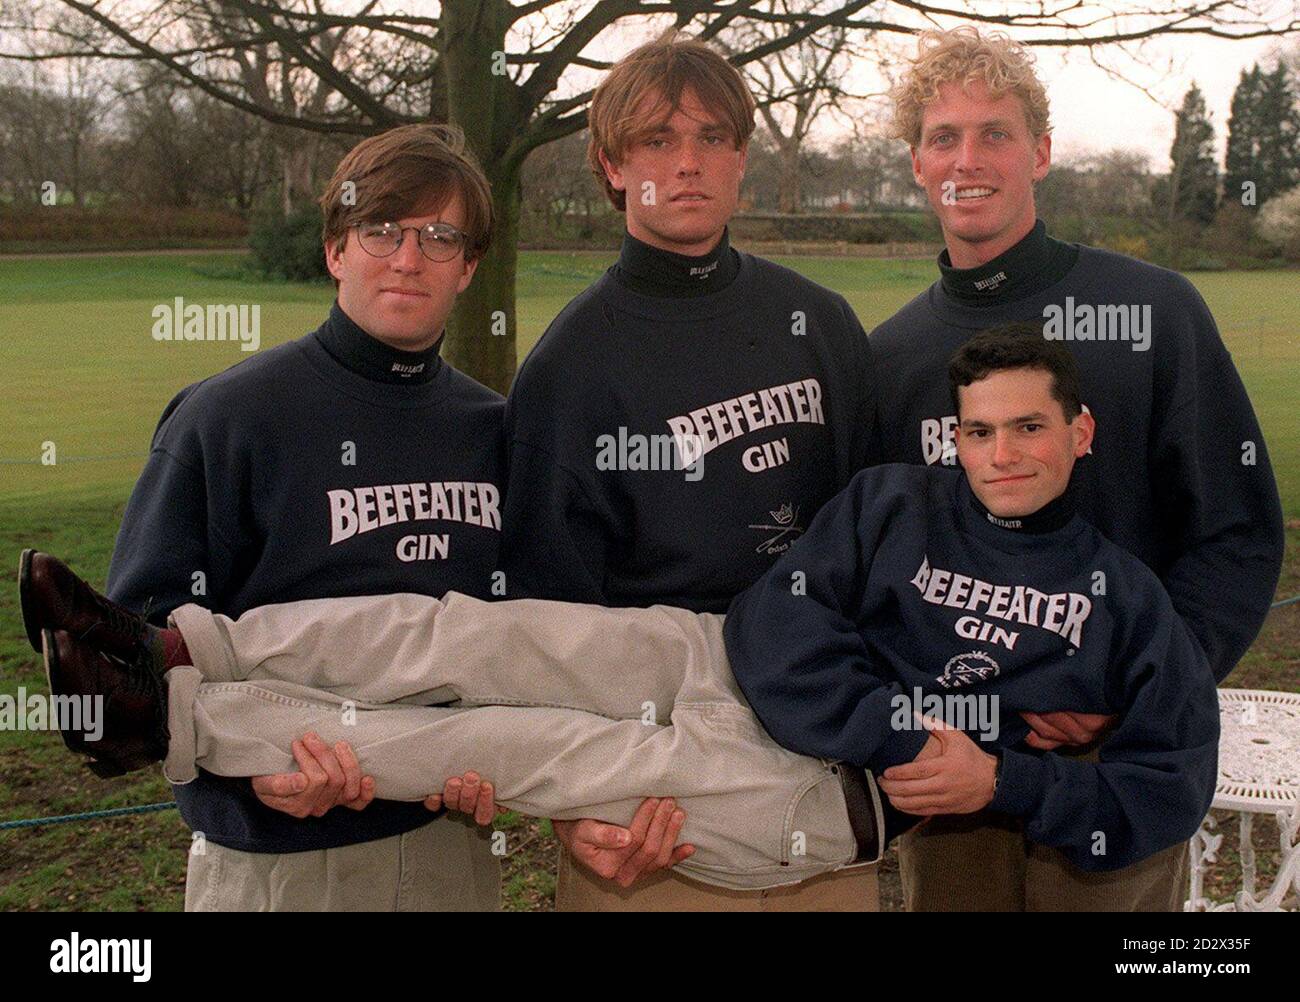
(959, 780)
(1064, 727)
(624, 855)
(328, 778)
(467, 795)
(931, 749)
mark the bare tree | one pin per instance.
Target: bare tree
(508, 73)
(559, 188)
(28, 133)
(794, 85)
(872, 171)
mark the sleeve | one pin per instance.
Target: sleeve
(796, 648)
(1156, 772)
(866, 449)
(1214, 481)
(171, 531)
(563, 520)
(556, 538)
(170, 549)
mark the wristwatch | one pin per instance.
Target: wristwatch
(997, 770)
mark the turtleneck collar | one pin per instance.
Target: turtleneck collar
(1054, 515)
(369, 357)
(653, 272)
(1033, 264)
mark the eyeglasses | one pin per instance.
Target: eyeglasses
(438, 241)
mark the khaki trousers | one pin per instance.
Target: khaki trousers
(444, 866)
(579, 890)
(572, 711)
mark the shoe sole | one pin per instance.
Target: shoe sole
(24, 601)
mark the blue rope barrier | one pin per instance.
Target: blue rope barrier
(1285, 601)
(116, 812)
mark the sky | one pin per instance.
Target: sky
(1091, 110)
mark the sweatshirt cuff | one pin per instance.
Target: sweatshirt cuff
(1021, 783)
(899, 748)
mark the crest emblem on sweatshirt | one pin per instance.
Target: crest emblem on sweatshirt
(785, 526)
(965, 669)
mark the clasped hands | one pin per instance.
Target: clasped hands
(331, 777)
(953, 775)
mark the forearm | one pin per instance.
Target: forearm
(556, 534)
(1223, 590)
(1105, 816)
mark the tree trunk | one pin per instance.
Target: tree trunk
(473, 345)
(484, 103)
(789, 198)
(297, 173)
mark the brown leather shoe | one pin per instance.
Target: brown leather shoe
(122, 709)
(54, 598)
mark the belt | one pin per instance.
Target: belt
(866, 815)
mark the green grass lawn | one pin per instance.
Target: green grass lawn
(80, 369)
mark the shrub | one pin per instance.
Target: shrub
(1123, 243)
(1279, 222)
(116, 225)
(289, 247)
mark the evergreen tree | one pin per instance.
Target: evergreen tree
(1240, 166)
(1193, 189)
(1263, 153)
(1279, 133)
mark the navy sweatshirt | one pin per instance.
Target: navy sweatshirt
(769, 377)
(328, 466)
(1178, 473)
(903, 583)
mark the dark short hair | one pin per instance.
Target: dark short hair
(408, 171)
(1017, 346)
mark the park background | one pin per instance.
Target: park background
(130, 179)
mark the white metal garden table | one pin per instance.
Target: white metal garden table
(1259, 773)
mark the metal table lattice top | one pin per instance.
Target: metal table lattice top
(1259, 751)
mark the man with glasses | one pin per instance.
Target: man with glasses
(350, 461)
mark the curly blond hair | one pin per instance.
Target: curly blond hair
(964, 56)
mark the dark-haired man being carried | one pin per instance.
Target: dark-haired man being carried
(967, 595)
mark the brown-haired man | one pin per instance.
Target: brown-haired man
(1178, 474)
(754, 384)
(352, 460)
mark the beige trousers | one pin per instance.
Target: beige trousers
(572, 711)
(577, 889)
(444, 866)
